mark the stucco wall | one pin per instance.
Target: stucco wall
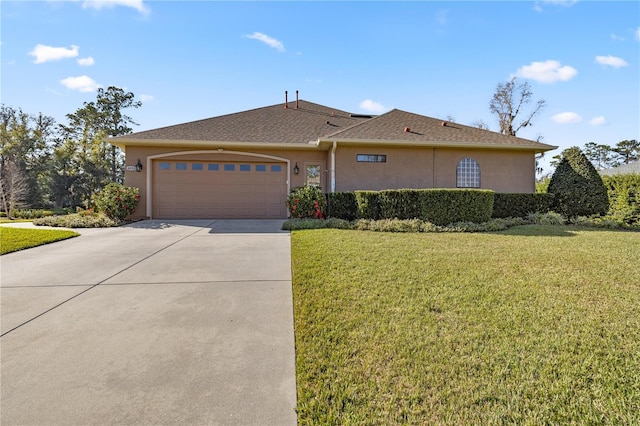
(404, 168)
(501, 171)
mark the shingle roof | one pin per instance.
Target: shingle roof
(632, 167)
(311, 122)
(272, 124)
(397, 125)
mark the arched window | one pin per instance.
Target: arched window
(468, 173)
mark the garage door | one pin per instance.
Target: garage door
(219, 190)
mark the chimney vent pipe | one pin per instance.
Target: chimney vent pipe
(296, 99)
(286, 99)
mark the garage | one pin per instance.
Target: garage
(219, 189)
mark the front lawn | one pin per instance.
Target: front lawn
(533, 325)
(14, 239)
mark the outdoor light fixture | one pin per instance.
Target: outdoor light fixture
(296, 169)
(139, 166)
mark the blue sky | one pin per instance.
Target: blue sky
(193, 60)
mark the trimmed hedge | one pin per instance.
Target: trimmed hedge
(445, 206)
(368, 206)
(342, 205)
(438, 206)
(401, 203)
(520, 205)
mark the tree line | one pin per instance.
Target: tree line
(605, 156)
(44, 164)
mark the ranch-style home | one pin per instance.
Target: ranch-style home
(243, 165)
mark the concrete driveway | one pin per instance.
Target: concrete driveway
(158, 322)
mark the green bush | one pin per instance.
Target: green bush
(624, 197)
(437, 206)
(30, 213)
(520, 205)
(342, 205)
(84, 219)
(445, 206)
(577, 186)
(307, 202)
(368, 205)
(116, 201)
(399, 225)
(549, 218)
(401, 203)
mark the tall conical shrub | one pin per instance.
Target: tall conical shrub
(577, 187)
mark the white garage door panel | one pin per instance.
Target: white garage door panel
(182, 190)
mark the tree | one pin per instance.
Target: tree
(577, 186)
(627, 151)
(13, 187)
(26, 142)
(599, 155)
(508, 102)
(110, 105)
(479, 124)
(94, 162)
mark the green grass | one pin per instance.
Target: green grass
(14, 239)
(533, 325)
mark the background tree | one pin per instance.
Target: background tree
(13, 188)
(84, 160)
(479, 124)
(577, 186)
(508, 102)
(627, 151)
(110, 104)
(599, 155)
(26, 143)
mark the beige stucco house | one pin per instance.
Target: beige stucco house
(243, 165)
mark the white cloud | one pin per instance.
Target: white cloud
(101, 4)
(598, 121)
(44, 53)
(611, 61)
(372, 106)
(86, 62)
(82, 83)
(547, 72)
(269, 41)
(566, 118)
(566, 3)
(637, 33)
(146, 98)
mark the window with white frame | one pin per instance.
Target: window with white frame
(468, 173)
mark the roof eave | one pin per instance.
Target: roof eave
(123, 143)
(537, 147)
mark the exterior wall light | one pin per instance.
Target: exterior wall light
(296, 169)
(139, 166)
